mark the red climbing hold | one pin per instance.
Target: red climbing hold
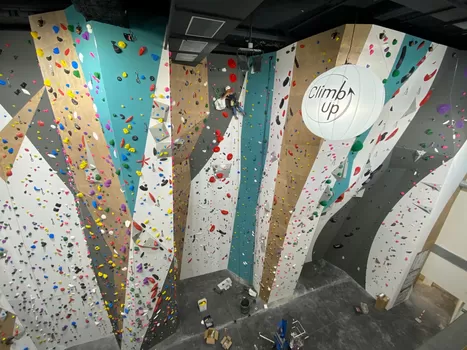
(137, 226)
(67, 51)
(357, 171)
(9, 173)
(129, 119)
(122, 143)
(426, 98)
(233, 78)
(229, 156)
(40, 123)
(152, 197)
(220, 175)
(212, 228)
(212, 179)
(152, 87)
(232, 64)
(229, 195)
(220, 139)
(224, 212)
(429, 76)
(340, 199)
(216, 149)
(392, 134)
(225, 114)
(142, 50)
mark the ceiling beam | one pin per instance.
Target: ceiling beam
(261, 35)
(424, 14)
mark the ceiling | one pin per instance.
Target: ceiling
(198, 27)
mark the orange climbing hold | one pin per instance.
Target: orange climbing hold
(142, 50)
(137, 226)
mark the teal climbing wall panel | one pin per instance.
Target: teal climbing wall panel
(254, 141)
(127, 60)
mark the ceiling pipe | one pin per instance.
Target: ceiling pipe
(463, 184)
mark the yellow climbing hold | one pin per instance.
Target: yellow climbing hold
(139, 173)
(129, 127)
(64, 64)
(121, 44)
(66, 140)
(97, 248)
(79, 195)
(70, 93)
(125, 74)
(83, 165)
(132, 150)
(169, 211)
(125, 131)
(40, 52)
(35, 35)
(127, 146)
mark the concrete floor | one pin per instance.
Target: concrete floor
(323, 304)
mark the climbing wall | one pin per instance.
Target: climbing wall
(283, 68)
(215, 176)
(254, 143)
(86, 175)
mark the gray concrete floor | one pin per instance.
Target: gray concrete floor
(323, 303)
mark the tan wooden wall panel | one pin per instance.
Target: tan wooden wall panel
(300, 147)
(190, 106)
(89, 129)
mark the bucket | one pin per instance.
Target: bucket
(245, 306)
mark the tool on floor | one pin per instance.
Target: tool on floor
(266, 338)
(298, 335)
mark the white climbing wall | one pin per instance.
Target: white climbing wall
(153, 209)
(209, 232)
(47, 277)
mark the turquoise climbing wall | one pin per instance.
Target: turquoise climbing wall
(404, 66)
(254, 139)
(127, 60)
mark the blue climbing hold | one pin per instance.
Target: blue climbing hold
(4, 140)
(132, 187)
(36, 189)
(55, 287)
(124, 157)
(56, 50)
(54, 152)
(33, 246)
(74, 64)
(56, 29)
(51, 236)
(61, 126)
(63, 172)
(94, 204)
(2, 82)
(155, 57)
(10, 150)
(143, 77)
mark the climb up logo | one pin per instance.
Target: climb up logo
(343, 102)
(329, 97)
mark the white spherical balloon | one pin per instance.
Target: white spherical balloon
(343, 102)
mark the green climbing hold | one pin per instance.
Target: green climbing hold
(126, 166)
(328, 181)
(357, 146)
(196, 128)
(429, 132)
(423, 145)
(71, 27)
(107, 210)
(315, 213)
(98, 177)
(136, 249)
(117, 172)
(76, 73)
(394, 42)
(384, 81)
(97, 75)
(388, 54)
(323, 203)
(396, 73)
(65, 238)
(112, 142)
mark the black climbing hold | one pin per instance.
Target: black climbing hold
(338, 246)
(119, 78)
(134, 138)
(116, 48)
(152, 78)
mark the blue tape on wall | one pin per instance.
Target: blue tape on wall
(129, 64)
(412, 50)
(254, 139)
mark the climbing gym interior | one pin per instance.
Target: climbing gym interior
(165, 187)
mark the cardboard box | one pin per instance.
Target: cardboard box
(381, 302)
(211, 335)
(226, 342)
